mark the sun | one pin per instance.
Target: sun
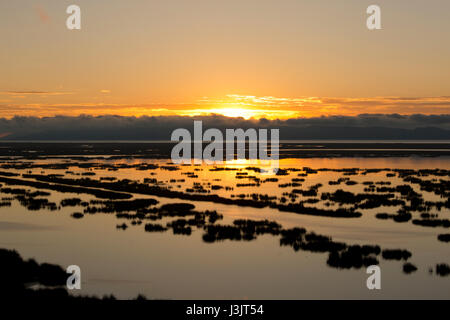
(234, 112)
(246, 107)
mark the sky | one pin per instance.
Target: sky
(250, 58)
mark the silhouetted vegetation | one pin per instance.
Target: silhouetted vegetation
(401, 217)
(117, 196)
(27, 279)
(445, 223)
(396, 254)
(66, 188)
(409, 268)
(444, 237)
(442, 269)
(154, 227)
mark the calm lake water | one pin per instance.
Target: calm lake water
(164, 265)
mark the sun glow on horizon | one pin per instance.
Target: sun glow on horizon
(33, 104)
(228, 112)
(237, 112)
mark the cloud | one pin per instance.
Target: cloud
(42, 14)
(35, 93)
(108, 127)
(311, 106)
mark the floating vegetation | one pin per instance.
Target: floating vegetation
(300, 209)
(396, 254)
(401, 217)
(409, 268)
(445, 223)
(154, 227)
(444, 237)
(180, 226)
(77, 215)
(112, 206)
(354, 257)
(409, 196)
(377, 194)
(65, 188)
(442, 269)
(72, 202)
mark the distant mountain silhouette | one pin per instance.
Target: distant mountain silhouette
(369, 133)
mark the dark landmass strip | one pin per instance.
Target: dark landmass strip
(156, 150)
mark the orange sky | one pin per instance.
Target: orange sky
(230, 105)
(247, 58)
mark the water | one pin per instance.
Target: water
(164, 265)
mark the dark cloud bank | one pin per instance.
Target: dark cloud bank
(364, 126)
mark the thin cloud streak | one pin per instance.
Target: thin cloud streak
(42, 14)
(35, 93)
